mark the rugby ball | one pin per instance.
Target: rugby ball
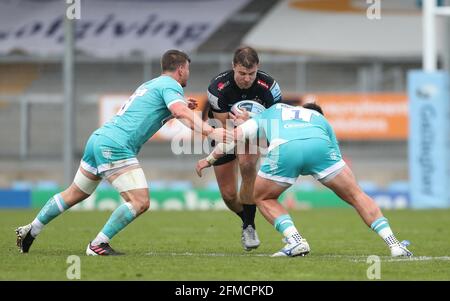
(252, 107)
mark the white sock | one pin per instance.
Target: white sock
(291, 233)
(36, 227)
(101, 238)
(389, 237)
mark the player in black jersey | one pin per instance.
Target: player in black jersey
(243, 82)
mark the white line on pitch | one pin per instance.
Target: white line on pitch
(414, 258)
(354, 258)
(204, 254)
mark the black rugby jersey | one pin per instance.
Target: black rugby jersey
(223, 91)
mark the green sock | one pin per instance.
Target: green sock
(54, 207)
(285, 226)
(119, 219)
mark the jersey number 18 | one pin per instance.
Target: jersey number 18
(126, 105)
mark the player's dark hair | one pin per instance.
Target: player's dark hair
(172, 59)
(246, 56)
(313, 106)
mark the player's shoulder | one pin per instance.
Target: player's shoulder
(264, 80)
(271, 111)
(163, 81)
(279, 106)
(220, 82)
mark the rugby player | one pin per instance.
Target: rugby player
(302, 142)
(243, 82)
(111, 151)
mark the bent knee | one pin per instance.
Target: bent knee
(141, 205)
(247, 168)
(230, 197)
(258, 201)
(230, 200)
(259, 198)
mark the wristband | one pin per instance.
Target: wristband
(211, 160)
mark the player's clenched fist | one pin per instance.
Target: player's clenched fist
(192, 103)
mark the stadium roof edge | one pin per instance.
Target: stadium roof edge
(207, 57)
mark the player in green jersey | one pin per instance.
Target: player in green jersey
(111, 151)
(302, 142)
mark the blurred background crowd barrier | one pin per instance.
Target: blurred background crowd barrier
(352, 57)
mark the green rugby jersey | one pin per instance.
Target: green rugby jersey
(144, 113)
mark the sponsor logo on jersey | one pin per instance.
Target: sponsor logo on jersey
(263, 83)
(334, 156)
(222, 85)
(257, 99)
(296, 125)
(107, 153)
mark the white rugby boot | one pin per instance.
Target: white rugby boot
(400, 250)
(249, 238)
(293, 249)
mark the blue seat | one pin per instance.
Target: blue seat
(22, 185)
(398, 186)
(158, 184)
(368, 186)
(180, 185)
(212, 185)
(47, 185)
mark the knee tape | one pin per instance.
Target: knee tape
(84, 183)
(133, 179)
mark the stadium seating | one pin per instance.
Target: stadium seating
(40, 84)
(16, 78)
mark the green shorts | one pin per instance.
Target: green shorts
(102, 154)
(314, 156)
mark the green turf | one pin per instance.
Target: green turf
(197, 245)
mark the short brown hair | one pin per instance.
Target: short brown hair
(313, 106)
(245, 56)
(172, 59)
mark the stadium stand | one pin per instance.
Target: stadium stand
(16, 78)
(37, 85)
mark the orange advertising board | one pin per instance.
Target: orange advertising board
(378, 116)
(354, 116)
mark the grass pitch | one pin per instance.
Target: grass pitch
(205, 245)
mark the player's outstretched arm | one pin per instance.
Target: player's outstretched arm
(218, 152)
(192, 120)
(241, 133)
